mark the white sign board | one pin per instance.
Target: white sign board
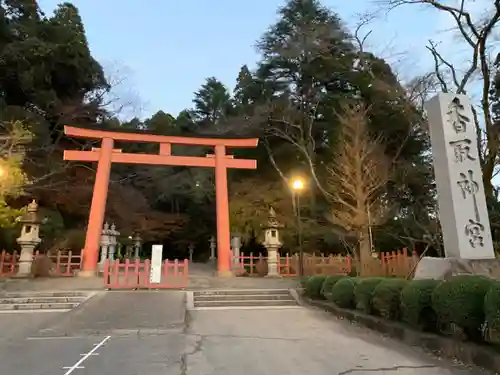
(462, 204)
(156, 263)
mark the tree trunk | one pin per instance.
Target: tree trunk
(365, 251)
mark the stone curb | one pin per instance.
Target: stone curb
(465, 352)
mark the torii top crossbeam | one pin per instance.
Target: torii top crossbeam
(106, 155)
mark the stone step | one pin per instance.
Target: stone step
(43, 294)
(251, 297)
(233, 292)
(39, 300)
(249, 303)
(39, 306)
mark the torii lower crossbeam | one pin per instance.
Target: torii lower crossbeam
(106, 155)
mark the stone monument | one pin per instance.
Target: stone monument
(463, 212)
(272, 243)
(29, 238)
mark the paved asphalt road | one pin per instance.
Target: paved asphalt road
(146, 333)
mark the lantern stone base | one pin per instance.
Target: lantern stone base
(444, 268)
(26, 257)
(272, 262)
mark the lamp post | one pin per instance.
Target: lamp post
(297, 187)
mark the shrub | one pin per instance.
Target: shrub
(416, 304)
(303, 281)
(363, 293)
(330, 281)
(460, 301)
(492, 313)
(387, 296)
(314, 285)
(343, 293)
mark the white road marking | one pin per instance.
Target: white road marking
(85, 356)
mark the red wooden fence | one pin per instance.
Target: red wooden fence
(135, 274)
(65, 263)
(395, 263)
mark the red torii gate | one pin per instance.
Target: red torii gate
(106, 155)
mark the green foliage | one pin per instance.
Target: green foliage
(363, 293)
(492, 312)
(15, 136)
(416, 304)
(212, 102)
(314, 285)
(303, 281)
(387, 296)
(329, 283)
(460, 301)
(343, 292)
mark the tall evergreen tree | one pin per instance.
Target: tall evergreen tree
(212, 102)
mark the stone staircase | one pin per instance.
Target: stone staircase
(42, 301)
(242, 299)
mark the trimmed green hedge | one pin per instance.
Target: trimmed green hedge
(416, 304)
(314, 285)
(363, 293)
(460, 301)
(492, 313)
(387, 296)
(343, 293)
(330, 281)
(468, 303)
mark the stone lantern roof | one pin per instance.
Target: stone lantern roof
(32, 216)
(272, 222)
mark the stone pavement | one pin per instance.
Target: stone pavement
(148, 333)
(52, 284)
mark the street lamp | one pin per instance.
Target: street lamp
(297, 187)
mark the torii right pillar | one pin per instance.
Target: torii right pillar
(222, 206)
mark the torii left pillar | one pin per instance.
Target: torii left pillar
(97, 209)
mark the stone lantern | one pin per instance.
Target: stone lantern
(29, 238)
(191, 252)
(236, 246)
(137, 240)
(105, 242)
(113, 234)
(272, 243)
(213, 245)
